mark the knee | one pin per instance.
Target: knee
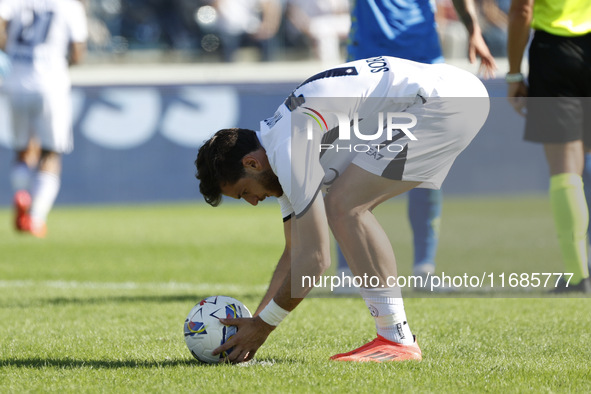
(338, 210)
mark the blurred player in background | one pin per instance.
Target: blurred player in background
(256, 21)
(282, 160)
(324, 23)
(41, 38)
(408, 30)
(559, 114)
(4, 64)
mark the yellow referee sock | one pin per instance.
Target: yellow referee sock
(571, 218)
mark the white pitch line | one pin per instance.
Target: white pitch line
(198, 287)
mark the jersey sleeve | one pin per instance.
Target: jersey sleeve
(294, 157)
(6, 10)
(307, 173)
(286, 208)
(78, 23)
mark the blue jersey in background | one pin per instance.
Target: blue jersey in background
(401, 28)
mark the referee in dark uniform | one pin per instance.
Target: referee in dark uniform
(558, 113)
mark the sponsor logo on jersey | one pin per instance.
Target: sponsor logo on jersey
(377, 64)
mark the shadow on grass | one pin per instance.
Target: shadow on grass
(68, 363)
(58, 301)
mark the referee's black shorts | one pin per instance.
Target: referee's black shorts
(559, 103)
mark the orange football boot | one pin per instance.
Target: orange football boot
(22, 203)
(382, 350)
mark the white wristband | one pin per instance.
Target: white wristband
(273, 314)
(512, 78)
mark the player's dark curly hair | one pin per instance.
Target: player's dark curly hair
(219, 161)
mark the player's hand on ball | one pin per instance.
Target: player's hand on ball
(252, 333)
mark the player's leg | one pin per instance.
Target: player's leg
(46, 185)
(20, 176)
(567, 199)
(55, 136)
(424, 213)
(587, 189)
(467, 98)
(20, 173)
(556, 117)
(349, 206)
(444, 128)
(366, 246)
(24, 163)
(368, 250)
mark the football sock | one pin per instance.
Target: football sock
(424, 213)
(388, 312)
(571, 218)
(46, 186)
(20, 176)
(587, 188)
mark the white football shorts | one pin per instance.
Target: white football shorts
(45, 116)
(445, 126)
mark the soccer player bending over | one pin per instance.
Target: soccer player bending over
(345, 140)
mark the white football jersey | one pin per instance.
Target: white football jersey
(309, 145)
(39, 36)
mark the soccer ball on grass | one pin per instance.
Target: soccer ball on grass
(203, 330)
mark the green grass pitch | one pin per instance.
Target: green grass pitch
(99, 305)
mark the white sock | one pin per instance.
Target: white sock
(20, 176)
(46, 186)
(387, 308)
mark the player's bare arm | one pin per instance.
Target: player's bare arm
(2, 34)
(271, 17)
(310, 252)
(311, 256)
(281, 271)
(520, 17)
(466, 11)
(77, 53)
